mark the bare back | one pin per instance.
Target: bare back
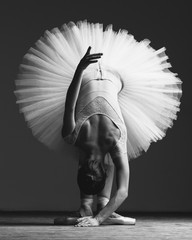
(97, 134)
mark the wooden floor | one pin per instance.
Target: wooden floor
(40, 226)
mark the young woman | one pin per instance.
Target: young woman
(92, 123)
(111, 104)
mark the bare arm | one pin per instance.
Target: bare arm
(122, 180)
(73, 91)
(71, 99)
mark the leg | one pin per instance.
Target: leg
(85, 210)
(86, 205)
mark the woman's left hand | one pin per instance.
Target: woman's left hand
(87, 222)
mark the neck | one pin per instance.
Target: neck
(91, 155)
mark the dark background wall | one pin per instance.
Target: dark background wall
(34, 178)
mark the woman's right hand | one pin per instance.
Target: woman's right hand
(88, 59)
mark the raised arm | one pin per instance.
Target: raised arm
(73, 91)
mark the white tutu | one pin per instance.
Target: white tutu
(149, 100)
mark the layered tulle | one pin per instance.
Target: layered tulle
(149, 100)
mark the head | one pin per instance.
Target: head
(91, 177)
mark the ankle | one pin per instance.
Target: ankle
(86, 202)
(86, 207)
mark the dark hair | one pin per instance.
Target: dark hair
(91, 177)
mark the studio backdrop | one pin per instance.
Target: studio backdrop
(32, 177)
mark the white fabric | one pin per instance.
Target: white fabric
(99, 95)
(104, 84)
(119, 221)
(149, 100)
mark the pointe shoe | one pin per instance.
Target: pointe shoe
(119, 221)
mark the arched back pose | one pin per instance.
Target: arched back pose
(111, 107)
(91, 123)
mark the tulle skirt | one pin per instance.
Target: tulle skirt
(149, 100)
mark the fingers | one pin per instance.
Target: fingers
(88, 50)
(83, 225)
(80, 219)
(83, 218)
(90, 62)
(94, 57)
(83, 222)
(89, 55)
(87, 222)
(91, 59)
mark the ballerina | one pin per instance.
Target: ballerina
(94, 130)
(111, 105)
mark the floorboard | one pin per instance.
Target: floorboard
(148, 226)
